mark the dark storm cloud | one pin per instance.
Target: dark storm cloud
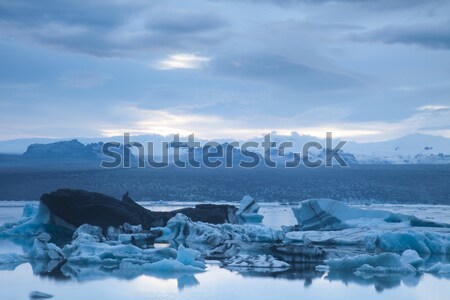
(379, 4)
(435, 36)
(109, 28)
(276, 69)
(183, 23)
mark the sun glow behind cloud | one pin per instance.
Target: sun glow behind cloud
(182, 61)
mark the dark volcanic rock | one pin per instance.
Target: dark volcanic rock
(72, 208)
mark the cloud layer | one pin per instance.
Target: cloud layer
(368, 70)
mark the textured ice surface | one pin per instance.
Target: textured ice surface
(127, 252)
(255, 261)
(329, 222)
(327, 214)
(248, 211)
(181, 228)
(382, 263)
(439, 268)
(12, 259)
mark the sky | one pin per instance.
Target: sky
(365, 70)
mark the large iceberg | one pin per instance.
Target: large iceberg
(329, 222)
(327, 214)
(181, 228)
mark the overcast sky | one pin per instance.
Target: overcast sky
(366, 70)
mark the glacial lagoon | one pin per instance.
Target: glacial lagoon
(301, 282)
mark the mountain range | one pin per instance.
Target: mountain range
(411, 149)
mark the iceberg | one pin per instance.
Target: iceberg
(181, 228)
(89, 247)
(439, 268)
(329, 222)
(40, 295)
(425, 242)
(43, 250)
(327, 214)
(12, 259)
(255, 261)
(248, 211)
(383, 263)
(186, 261)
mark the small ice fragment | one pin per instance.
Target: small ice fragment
(40, 295)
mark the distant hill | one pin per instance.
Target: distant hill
(65, 149)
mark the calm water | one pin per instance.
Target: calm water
(218, 283)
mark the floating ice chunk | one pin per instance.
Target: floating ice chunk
(187, 260)
(35, 220)
(255, 261)
(189, 257)
(383, 263)
(45, 251)
(12, 259)
(412, 258)
(394, 239)
(29, 210)
(40, 295)
(183, 229)
(300, 253)
(248, 211)
(327, 214)
(89, 247)
(89, 233)
(367, 269)
(421, 242)
(438, 268)
(165, 265)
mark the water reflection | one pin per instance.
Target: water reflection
(305, 273)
